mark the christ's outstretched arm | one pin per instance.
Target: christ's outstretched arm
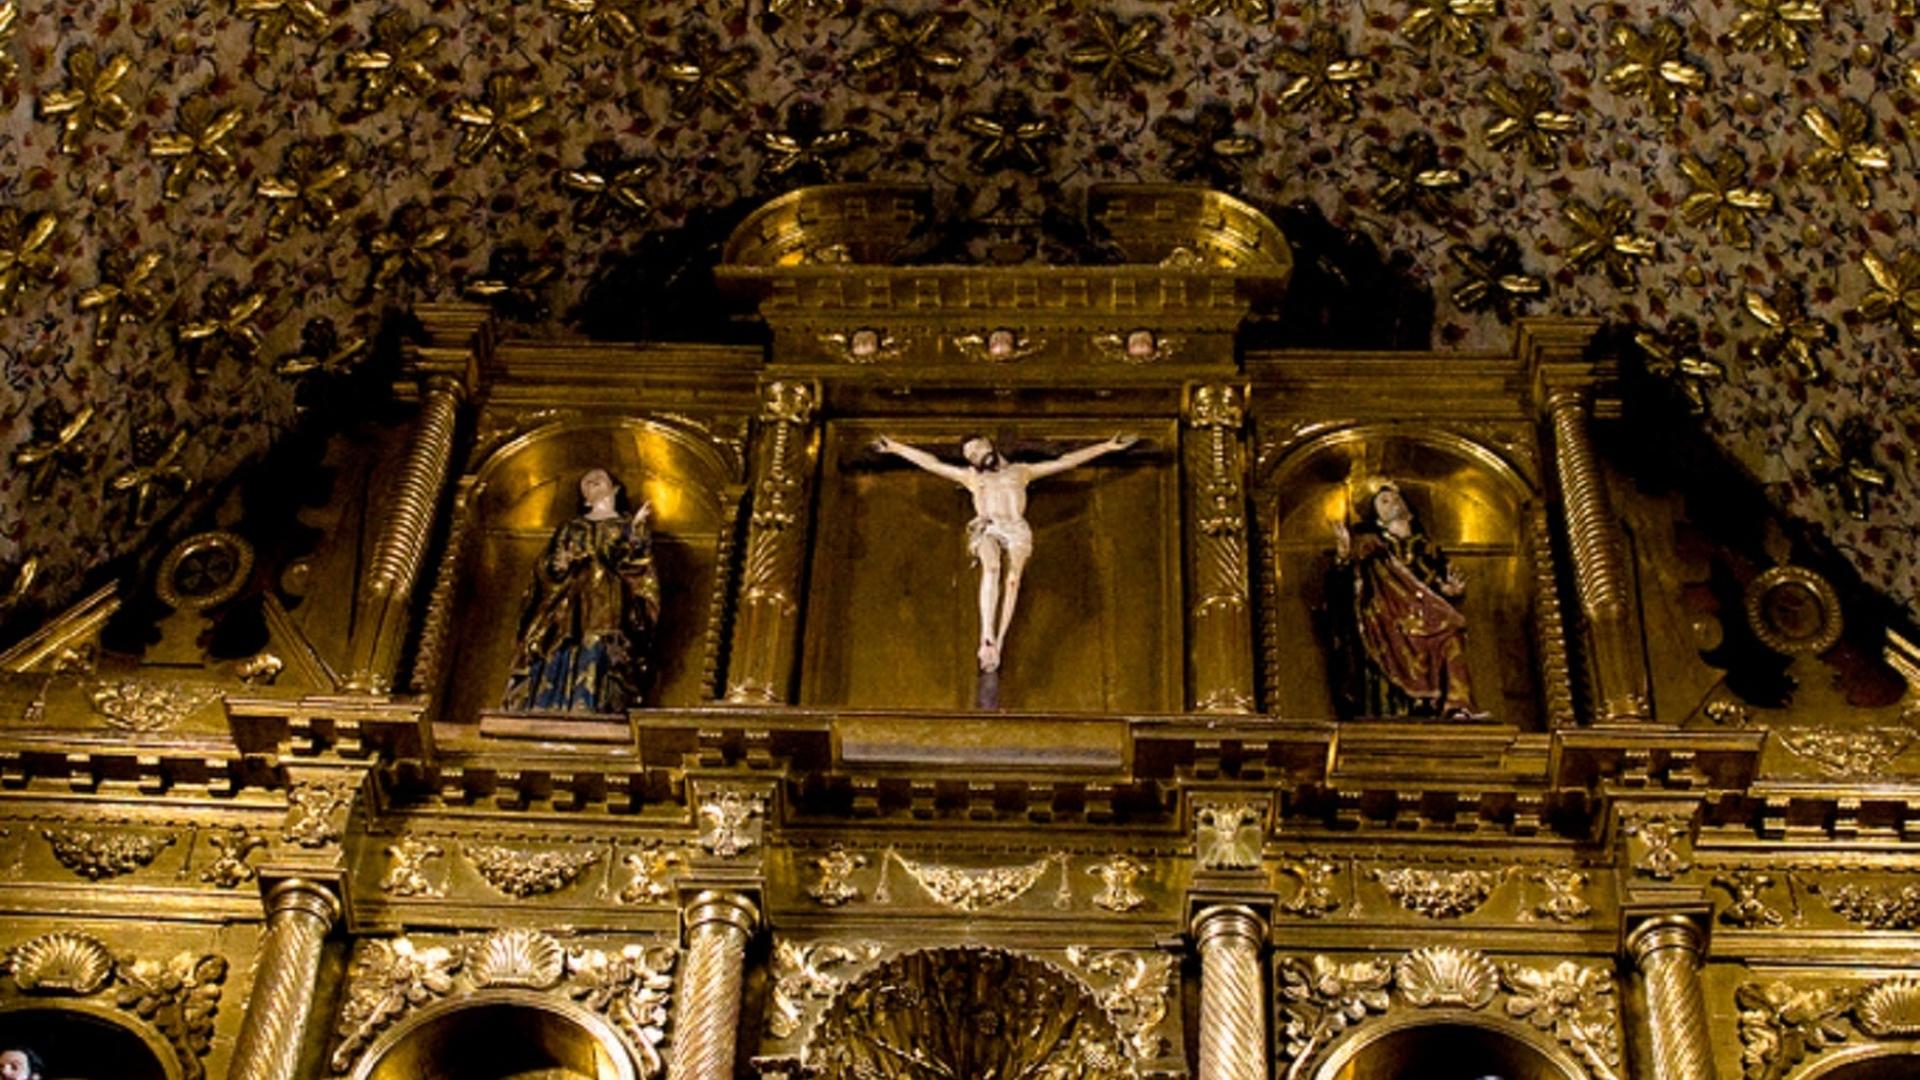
(1075, 458)
(887, 445)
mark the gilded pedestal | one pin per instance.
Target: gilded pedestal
(299, 915)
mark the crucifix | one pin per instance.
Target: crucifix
(998, 537)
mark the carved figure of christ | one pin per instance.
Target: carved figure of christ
(998, 536)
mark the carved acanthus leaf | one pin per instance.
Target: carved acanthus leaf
(1322, 998)
(178, 997)
(1780, 1023)
(807, 974)
(385, 980)
(1576, 1003)
(633, 988)
(1136, 997)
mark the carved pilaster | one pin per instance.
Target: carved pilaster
(1219, 616)
(444, 370)
(719, 924)
(299, 915)
(1667, 950)
(1599, 562)
(1233, 1018)
(765, 639)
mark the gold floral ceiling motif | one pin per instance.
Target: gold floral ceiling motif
(202, 204)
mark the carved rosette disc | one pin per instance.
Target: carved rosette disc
(1890, 1010)
(966, 1012)
(1445, 975)
(517, 957)
(61, 963)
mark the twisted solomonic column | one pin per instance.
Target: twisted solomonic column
(299, 914)
(1667, 951)
(1233, 1015)
(719, 924)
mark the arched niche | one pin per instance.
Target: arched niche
(1884, 1061)
(967, 1011)
(1475, 506)
(498, 1035)
(529, 486)
(80, 1040)
(1444, 1045)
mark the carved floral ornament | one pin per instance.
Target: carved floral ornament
(1322, 998)
(177, 997)
(631, 985)
(1782, 1023)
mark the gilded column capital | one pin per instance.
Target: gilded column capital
(1663, 932)
(725, 907)
(1224, 922)
(303, 895)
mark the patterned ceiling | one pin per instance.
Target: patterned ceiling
(205, 202)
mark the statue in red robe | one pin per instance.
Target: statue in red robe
(1401, 632)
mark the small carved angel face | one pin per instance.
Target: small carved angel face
(596, 487)
(17, 1065)
(864, 343)
(1141, 345)
(1001, 343)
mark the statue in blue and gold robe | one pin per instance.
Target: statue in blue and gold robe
(587, 628)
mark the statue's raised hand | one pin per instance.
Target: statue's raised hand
(1121, 442)
(885, 445)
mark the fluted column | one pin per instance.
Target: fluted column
(1219, 616)
(299, 914)
(1233, 1017)
(761, 664)
(1599, 563)
(719, 925)
(1666, 951)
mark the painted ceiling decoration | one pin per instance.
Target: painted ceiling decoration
(207, 205)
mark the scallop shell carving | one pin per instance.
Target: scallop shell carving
(1890, 1010)
(1443, 975)
(526, 958)
(61, 963)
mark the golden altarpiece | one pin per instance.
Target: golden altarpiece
(1159, 835)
